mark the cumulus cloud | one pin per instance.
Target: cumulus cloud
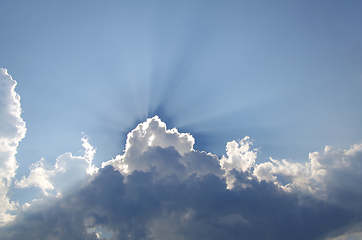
(12, 131)
(161, 188)
(147, 207)
(68, 170)
(153, 147)
(239, 157)
(331, 174)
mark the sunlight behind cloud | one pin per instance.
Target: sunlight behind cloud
(167, 188)
(262, 103)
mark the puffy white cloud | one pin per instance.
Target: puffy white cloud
(239, 157)
(68, 170)
(340, 174)
(12, 131)
(296, 174)
(153, 147)
(333, 175)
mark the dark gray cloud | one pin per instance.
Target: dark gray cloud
(145, 206)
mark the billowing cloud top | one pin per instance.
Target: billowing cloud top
(12, 130)
(161, 188)
(151, 147)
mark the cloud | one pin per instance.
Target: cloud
(153, 147)
(161, 188)
(330, 174)
(68, 170)
(194, 208)
(239, 157)
(12, 131)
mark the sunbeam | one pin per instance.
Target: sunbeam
(180, 120)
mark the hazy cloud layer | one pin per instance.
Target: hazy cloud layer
(12, 131)
(161, 188)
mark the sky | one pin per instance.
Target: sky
(180, 120)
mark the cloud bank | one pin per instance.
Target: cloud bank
(161, 188)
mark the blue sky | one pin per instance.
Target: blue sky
(286, 73)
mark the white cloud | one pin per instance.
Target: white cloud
(331, 174)
(12, 131)
(153, 147)
(67, 171)
(239, 157)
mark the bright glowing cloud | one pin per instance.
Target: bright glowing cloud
(12, 131)
(331, 174)
(68, 170)
(152, 147)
